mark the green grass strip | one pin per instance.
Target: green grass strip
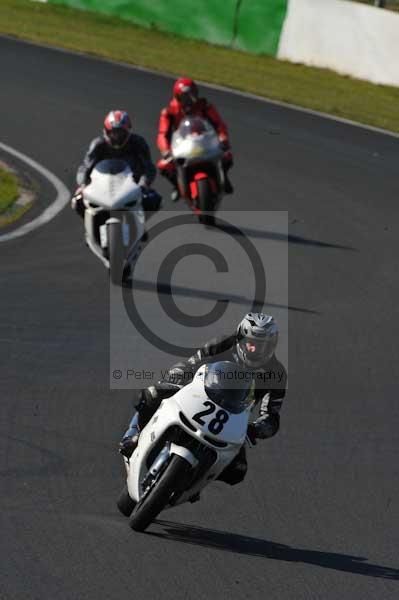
(13, 215)
(9, 191)
(110, 37)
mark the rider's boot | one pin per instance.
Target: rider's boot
(235, 472)
(228, 186)
(175, 196)
(130, 440)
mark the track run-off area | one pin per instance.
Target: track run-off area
(317, 516)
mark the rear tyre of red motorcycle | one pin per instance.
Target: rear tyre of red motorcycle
(158, 497)
(206, 201)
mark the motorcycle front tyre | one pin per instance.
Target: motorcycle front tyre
(158, 497)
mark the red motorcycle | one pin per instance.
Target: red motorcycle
(197, 156)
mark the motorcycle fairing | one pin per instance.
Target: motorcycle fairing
(112, 191)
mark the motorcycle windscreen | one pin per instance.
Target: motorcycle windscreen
(194, 126)
(112, 166)
(195, 137)
(228, 386)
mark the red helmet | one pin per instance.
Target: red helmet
(117, 128)
(186, 93)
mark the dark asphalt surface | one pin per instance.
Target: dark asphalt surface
(317, 516)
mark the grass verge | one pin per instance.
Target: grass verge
(109, 37)
(9, 191)
(393, 5)
(11, 206)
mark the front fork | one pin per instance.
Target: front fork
(162, 460)
(188, 185)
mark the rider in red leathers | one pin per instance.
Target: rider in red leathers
(186, 102)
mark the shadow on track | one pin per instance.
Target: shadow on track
(178, 290)
(241, 544)
(279, 237)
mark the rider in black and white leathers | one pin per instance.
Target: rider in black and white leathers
(135, 152)
(118, 142)
(269, 377)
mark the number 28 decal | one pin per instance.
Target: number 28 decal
(216, 425)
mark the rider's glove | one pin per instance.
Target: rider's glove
(225, 146)
(77, 199)
(179, 375)
(266, 426)
(166, 154)
(143, 183)
(79, 191)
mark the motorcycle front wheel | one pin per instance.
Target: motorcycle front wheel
(206, 202)
(116, 252)
(149, 507)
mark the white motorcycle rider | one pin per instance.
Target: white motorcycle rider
(114, 216)
(192, 437)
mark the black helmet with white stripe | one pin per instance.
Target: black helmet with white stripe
(257, 337)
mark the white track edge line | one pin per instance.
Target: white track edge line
(63, 196)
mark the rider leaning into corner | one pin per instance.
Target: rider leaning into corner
(252, 347)
(118, 141)
(187, 103)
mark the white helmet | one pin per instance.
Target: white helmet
(257, 337)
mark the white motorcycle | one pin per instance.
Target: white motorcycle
(192, 437)
(114, 217)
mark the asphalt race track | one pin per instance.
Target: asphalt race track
(317, 517)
